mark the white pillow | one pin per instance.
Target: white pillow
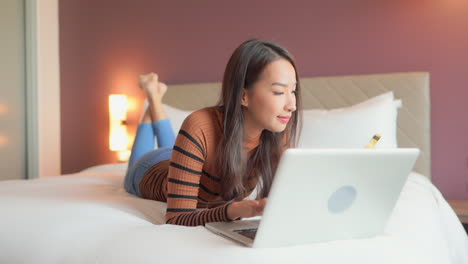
(354, 126)
(177, 117)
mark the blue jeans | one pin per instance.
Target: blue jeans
(144, 156)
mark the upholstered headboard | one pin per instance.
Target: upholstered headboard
(341, 91)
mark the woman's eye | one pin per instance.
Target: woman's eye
(294, 92)
(278, 93)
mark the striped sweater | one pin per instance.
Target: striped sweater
(189, 182)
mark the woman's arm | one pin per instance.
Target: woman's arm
(183, 185)
(185, 171)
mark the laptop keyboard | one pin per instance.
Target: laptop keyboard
(250, 232)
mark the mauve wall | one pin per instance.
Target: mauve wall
(105, 44)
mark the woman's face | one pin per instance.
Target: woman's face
(270, 102)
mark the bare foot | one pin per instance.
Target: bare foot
(146, 78)
(153, 89)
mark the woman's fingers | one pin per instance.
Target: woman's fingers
(246, 208)
(261, 204)
(252, 208)
(258, 206)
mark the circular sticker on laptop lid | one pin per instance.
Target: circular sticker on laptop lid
(342, 199)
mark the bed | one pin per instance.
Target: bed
(87, 217)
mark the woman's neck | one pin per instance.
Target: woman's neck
(251, 137)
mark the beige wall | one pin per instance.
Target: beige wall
(48, 87)
(12, 91)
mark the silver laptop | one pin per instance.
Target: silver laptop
(326, 194)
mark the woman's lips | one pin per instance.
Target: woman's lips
(284, 119)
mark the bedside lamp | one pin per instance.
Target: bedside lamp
(118, 137)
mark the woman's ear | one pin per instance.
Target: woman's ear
(244, 100)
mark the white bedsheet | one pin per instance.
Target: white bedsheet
(89, 218)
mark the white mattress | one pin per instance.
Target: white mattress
(89, 218)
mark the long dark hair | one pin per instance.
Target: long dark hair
(242, 71)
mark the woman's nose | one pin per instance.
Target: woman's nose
(291, 104)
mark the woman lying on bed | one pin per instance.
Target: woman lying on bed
(223, 152)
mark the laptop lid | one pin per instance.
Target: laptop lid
(329, 194)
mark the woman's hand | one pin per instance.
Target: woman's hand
(246, 208)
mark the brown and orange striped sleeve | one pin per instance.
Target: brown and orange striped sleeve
(185, 170)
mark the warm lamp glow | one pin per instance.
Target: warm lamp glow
(3, 109)
(118, 137)
(3, 140)
(118, 106)
(124, 155)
